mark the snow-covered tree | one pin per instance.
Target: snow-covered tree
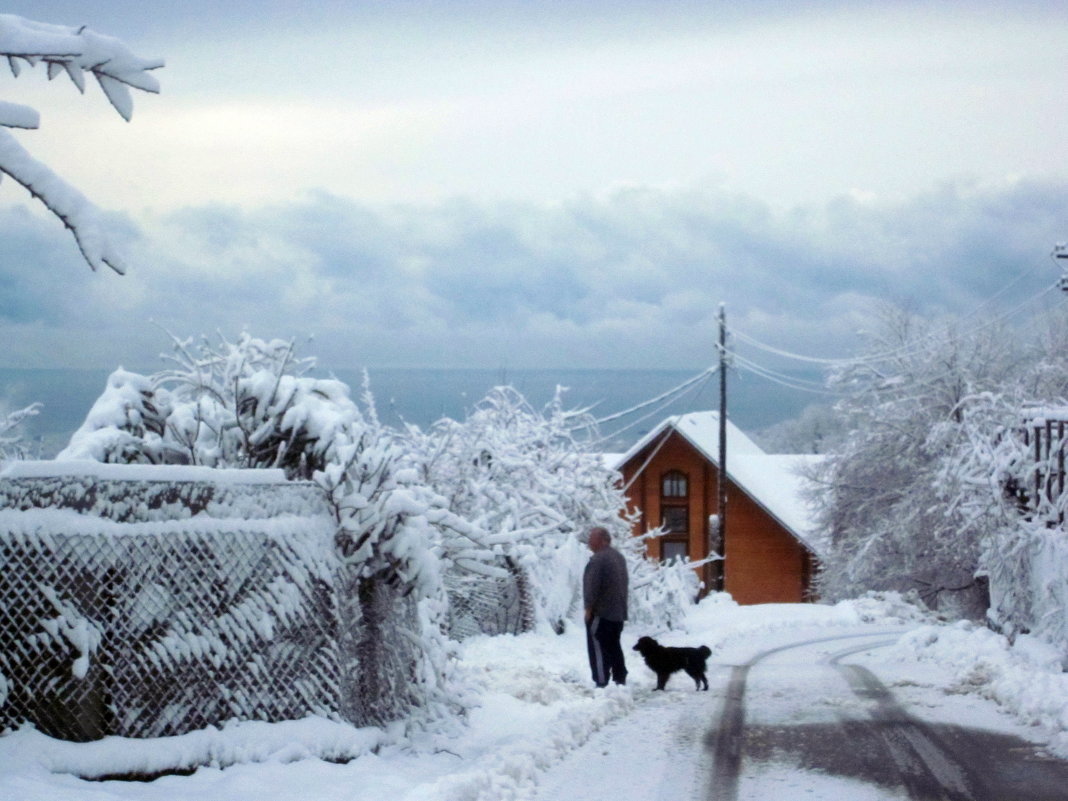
(880, 494)
(1004, 473)
(11, 443)
(75, 52)
(816, 430)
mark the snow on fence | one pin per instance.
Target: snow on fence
(149, 601)
(1026, 557)
(1046, 439)
(490, 605)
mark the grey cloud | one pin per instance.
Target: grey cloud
(632, 279)
(42, 275)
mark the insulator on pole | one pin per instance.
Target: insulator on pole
(1060, 253)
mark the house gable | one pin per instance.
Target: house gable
(769, 553)
(772, 481)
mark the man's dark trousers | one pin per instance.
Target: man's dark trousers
(606, 654)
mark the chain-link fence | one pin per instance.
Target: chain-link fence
(149, 608)
(480, 604)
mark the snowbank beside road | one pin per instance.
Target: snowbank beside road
(1026, 678)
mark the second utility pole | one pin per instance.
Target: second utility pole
(722, 482)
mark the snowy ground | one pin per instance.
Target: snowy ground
(542, 733)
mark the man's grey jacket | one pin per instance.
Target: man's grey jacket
(604, 585)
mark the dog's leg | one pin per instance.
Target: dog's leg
(696, 675)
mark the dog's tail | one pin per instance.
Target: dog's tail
(705, 651)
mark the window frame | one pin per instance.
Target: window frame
(675, 496)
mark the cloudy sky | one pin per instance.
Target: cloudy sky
(542, 184)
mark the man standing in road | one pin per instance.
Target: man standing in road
(604, 594)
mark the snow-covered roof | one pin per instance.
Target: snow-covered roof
(772, 480)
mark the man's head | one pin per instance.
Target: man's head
(599, 538)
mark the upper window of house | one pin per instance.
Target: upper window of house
(674, 484)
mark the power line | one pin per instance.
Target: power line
(782, 379)
(797, 382)
(668, 428)
(694, 385)
(674, 390)
(903, 350)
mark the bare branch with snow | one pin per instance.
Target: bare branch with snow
(75, 52)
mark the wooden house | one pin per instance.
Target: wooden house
(672, 478)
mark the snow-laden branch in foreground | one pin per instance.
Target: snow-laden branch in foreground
(74, 51)
(73, 208)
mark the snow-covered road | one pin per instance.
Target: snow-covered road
(810, 717)
(805, 702)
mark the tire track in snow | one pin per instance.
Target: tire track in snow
(725, 741)
(929, 769)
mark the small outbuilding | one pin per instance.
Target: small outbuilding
(672, 479)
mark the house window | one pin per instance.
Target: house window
(675, 515)
(674, 485)
(676, 519)
(673, 549)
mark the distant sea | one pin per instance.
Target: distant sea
(421, 396)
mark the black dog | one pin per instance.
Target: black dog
(664, 661)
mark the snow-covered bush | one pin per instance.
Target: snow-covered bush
(11, 443)
(532, 487)
(125, 424)
(226, 404)
(660, 592)
(386, 543)
(74, 51)
(503, 470)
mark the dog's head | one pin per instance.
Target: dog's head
(645, 645)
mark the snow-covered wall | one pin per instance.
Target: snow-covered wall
(145, 601)
(144, 493)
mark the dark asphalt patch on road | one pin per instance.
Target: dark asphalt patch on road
(890, 748)
(1012, 769)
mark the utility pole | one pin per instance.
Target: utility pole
(722, 482)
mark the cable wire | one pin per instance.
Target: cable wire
(703, 374)
(903, 350)
(668, 428)
(694, 387)
(770, 372)
(777, 378)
